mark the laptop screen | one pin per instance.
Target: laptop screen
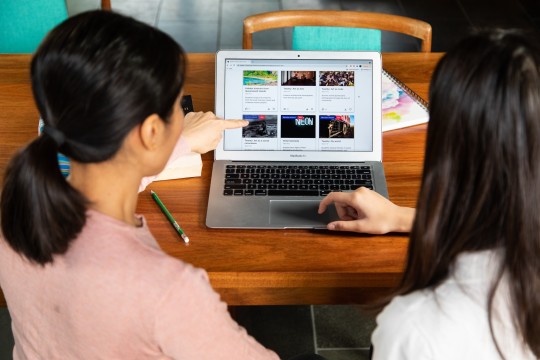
(300, 102)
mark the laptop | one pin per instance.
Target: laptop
(314, 127)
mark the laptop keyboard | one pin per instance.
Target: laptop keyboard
(294, 180)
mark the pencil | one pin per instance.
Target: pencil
(169, 217)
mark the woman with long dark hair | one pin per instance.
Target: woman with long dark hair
(82, 275)
(471, 285)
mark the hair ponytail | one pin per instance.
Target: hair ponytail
(41, 212)
(95, 77)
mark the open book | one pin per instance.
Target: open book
(401, 107)
(188, 165)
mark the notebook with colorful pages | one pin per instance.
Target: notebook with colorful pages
(401, 107)
(314, 127)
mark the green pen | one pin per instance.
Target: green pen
(169, 216)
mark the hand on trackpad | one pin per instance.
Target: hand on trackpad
(300, 214)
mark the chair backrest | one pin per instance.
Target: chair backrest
(24, 23)
(335, 21)
(335, 38)
(105, 4)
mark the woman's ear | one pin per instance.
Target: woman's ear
(151, 132)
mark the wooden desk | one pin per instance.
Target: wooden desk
(259, 267)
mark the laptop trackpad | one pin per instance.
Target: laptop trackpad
(300, 214)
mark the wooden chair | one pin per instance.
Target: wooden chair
(105, 4)
(335, 18)
(24, 23)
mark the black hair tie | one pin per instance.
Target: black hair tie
(55, 134)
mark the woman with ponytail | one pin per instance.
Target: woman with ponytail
(82, 275)
(471, 285)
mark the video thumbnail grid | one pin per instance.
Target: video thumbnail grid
(298, 102)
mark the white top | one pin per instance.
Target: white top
(451, 322)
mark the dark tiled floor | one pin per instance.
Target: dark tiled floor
(208, 25)
(288, 330)
(337, 332)
(450, 19)
(345, 354)
(340, 332)
(6, 337)
(342, 326)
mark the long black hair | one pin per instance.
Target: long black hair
(95, 77)
(481, 182)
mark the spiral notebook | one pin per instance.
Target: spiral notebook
(401, 107)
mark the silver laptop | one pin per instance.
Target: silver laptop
(314, 127)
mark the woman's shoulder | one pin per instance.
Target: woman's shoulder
(399, 330)
(462, 295)
(409, 310)
(448, 307)
(447, 320)
(105, 234)
(118, 251)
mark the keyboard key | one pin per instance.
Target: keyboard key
(354, 187)
(235, 187)
(362, 182)
(292, 193)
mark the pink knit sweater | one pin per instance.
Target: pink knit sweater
(116, 295)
